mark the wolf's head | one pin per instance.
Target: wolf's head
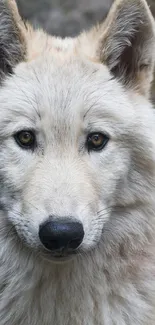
(77, 148)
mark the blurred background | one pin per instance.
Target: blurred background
(67, 17)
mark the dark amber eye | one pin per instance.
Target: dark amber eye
(25, 139)
(96, 141)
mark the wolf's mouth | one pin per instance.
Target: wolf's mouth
(59, 258)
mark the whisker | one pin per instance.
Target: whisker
(30, 203)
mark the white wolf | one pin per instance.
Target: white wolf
(77, 172)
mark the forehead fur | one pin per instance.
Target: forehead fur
(72, 84)
(64, 92)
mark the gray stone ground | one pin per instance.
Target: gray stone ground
(67, 17)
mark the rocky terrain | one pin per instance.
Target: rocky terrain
(67, 17)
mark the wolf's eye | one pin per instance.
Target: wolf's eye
(96, 141)
(25, 139)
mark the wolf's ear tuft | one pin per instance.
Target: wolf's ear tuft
(125, 42)
(128, 43)
(12, 44)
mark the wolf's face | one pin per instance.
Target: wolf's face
(74, 132)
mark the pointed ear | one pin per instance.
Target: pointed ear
(12, 43)
(125, 42)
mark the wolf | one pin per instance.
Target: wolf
(77, 171)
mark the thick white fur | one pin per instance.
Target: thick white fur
(64, 92)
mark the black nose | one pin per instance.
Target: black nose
(59, 234)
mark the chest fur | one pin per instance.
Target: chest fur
(82, 293)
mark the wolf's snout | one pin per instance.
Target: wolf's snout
(61, 234)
